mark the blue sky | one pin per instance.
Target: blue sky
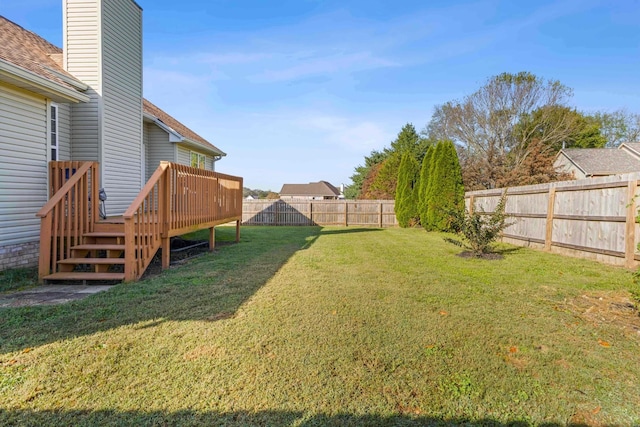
(301, 90)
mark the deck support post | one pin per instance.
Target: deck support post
(166, 252)
(212, 238)
(237, 231)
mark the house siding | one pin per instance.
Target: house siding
(122, 149)
(564, 165)
(159, 148)
(64, 131)
(184, 157)
(81, 57)
(23, 173)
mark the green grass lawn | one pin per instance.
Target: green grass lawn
(330, 326)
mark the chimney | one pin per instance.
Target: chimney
(102, 44)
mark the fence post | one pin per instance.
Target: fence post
(381, 209)
(472, 201)
(549, 226)
(630, 225)
(346, 214)
(310, 213)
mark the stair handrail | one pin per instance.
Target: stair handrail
(62, 192)
(71, 219)
(139, 241)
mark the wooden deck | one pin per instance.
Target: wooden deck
(176, 200)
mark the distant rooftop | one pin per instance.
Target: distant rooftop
(320, 188)
(604, 161)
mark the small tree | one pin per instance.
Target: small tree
(480, 230)
(406, 206)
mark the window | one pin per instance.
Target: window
(198, 160)
(54, 132)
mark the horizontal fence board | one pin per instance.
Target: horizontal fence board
(594, 218)
(371, 213)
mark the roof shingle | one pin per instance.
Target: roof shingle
(602, 161)
(321, 188)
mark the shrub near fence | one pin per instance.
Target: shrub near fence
(373, 213)
(590, 218)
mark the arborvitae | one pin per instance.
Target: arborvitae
(446, 192)
(423, 186)
(406, 206)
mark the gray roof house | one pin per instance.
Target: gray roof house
(82, 102)
(321, 190)
(594, 162)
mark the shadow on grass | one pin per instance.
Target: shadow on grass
(210, 287)
(240, 418)
(349, 230)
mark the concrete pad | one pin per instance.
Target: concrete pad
(49, 295)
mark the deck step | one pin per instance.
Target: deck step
(104, 234)
(98, 247)
(107, 261)
(73, 275)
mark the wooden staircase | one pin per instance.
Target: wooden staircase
(77, 246)
(100, 256)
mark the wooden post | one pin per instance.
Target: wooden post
(212, 238)
(472, 202)
(129, 251)
(549, 226)
(237, 231)
(310, 213)
(44, 265)
(346, 214)
(381, 209)
(630, 225)
(165, 217)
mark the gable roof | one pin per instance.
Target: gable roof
(28, 51)
(602, 161)
(320, 188)
(174, 125)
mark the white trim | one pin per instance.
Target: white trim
(51, 131)
(33, 82)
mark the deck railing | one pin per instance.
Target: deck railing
(69, 213)
(177, 199)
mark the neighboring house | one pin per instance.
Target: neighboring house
(83, 102)
(321, 190)
(593, 162)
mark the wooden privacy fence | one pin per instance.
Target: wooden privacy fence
(590, 218)
(374, 213)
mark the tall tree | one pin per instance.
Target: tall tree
(423, 185)
(407, 141)
(361, 172)
(483, 123)
(446, 191)
(618, 127)
(406, 205)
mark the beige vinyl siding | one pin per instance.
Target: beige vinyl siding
(64, 131)
(184, 155)
(210, 163)
(23, 164)
(159, 147)
(82, 55)
(122, 148)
